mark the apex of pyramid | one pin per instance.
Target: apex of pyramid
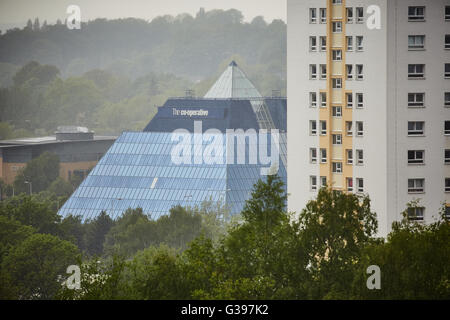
(233, 83)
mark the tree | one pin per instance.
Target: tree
(96, 231)
(31, 269)
(12, 233)
(156, 275)
(32, 211)
(61, 188)
(413, 261)
(335, 228)
(29, 25)
(36, 25)
(40, 171)
(132, 232)
(73, 230)
(178, 228)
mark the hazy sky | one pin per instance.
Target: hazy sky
(19, 11)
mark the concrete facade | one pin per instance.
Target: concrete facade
(384, 56)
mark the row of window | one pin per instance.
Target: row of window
(417, 99)
(418, 156)
(336, 137)
(348, 100)
(322, 46)
(415, 13)
(417, 185)
(348, 153)
(417, 71)
(349, 71)
(322, 18)
(417, 42)
(414, 185)
(348, 183)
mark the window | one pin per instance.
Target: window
(313, 44)
(349, 184)
(349, 71)
(416, 42)
(349, 15)
(349, 100)
(323, 155)
(337, 167)
(359, 15)
(349, 128)
(313, 183)
(349, 41)
(313, 71)
(416, 156)
(447, 127)
(416, 99)
(313, 155)
(323, 71)
(416, 213)
(359, 128)
(349, 154)
(359, 43)
(447, 41)
(323, 43)
(337, 139)
(323, 99)
(415, 128)
(447, 70)
(312, 99)
(447, 156)
(337, 26)
(337, 83)
(323, 182)
(337, 55)
(416, 13)
(323, 15)
(359, 157)
(447, 99)
(359, 72)
(323, 127)
(416, 185)
(312, 15)
(359, 100)
(447, 184)
(337, 1)
(447, 13)
(416, 70)
(359, 184)
(447, 211)
(337, 111)
(312, 127)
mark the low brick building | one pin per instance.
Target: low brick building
(78, 149)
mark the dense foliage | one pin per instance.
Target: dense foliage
(321, 253)
(110, 75)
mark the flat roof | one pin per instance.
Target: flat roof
(46, 140)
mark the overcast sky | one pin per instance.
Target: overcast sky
(16, 12)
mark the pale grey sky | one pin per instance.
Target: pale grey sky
(13, 12)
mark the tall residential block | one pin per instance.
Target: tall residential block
(369, 103)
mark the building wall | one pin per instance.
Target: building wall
(73, 155)
(434, 113)
(374, 113)
(298, 112)
(385, 57)
(65, 167)
(10, 170)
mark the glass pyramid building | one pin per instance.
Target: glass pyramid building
(194, 149)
